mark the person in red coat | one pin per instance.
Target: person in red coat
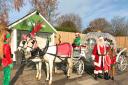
(98, 55)
(7, 60)
(112, 55)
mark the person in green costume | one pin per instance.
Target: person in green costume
(7, 62)
(77, 40)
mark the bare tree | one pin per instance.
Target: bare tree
(100, 24)
(70, 21)
(46, 7)
(4, 6)
(18, 4)
(119, 26)
(89, 29)
(67, 26)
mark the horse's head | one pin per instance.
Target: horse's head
(23, 42)
(22, 45)
(31, 44)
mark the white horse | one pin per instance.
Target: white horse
(51, 54)
(22, 48)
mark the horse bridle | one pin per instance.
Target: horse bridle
(33, 42)
(44, 49)
(23, 44)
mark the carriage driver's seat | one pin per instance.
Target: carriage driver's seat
(77, 50)
(78, 47)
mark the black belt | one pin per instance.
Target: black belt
(101, 54)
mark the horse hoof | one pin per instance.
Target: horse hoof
(38, 78)
(46, 80)
(68, 77)
(50, 83)
(112, 78)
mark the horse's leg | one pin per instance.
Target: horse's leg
(70, 64)
(40, 66)
(51, 69)
(37, 70)
(47, 70)
(55, 68)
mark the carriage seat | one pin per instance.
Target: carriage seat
(79, 48)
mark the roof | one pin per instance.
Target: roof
(25, 23)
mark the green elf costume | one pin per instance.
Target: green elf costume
(77, 40)
(7, 60)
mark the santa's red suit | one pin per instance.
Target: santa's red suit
(101, 61)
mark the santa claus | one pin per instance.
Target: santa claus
(99, 57)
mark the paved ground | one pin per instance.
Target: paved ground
(28, 78)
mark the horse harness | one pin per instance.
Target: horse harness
(39, 53)
(33, 42)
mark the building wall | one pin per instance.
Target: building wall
(14, 43)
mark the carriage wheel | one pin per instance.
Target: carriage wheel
(80, 68)
(122, 64)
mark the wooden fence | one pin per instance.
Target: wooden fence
(66, 37)
(122, 42)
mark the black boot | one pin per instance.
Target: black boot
(107, 77)
(95, 76)
(112, 78)
(100, 75)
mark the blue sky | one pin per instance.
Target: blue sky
(88, 10)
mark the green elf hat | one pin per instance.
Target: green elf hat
(6, 37)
